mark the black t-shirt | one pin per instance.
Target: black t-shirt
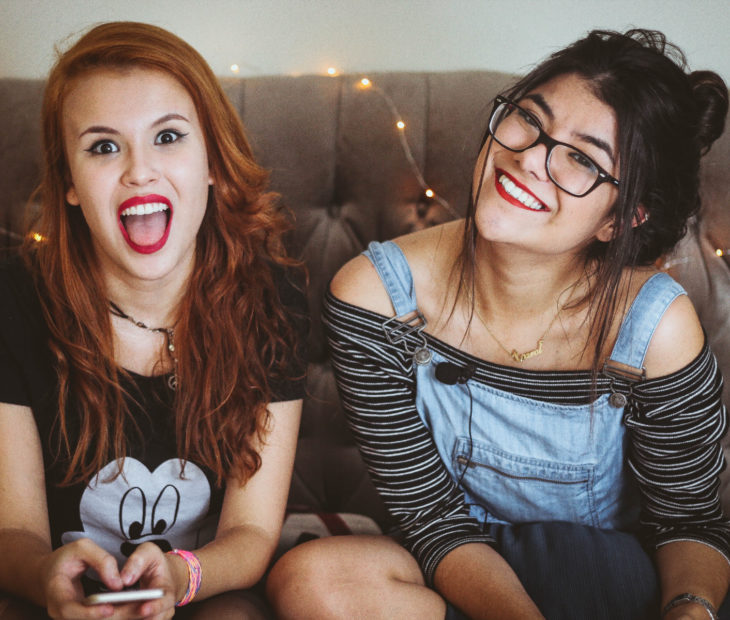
(153, 500)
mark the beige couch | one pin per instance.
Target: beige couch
(337, 160)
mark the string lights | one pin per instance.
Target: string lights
(673, 262)
(9, 234)
(367, 84)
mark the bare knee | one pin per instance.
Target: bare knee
(298, 582)
(348, 577)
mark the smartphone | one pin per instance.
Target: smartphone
(123, 596)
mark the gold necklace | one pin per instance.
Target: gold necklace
(514, 354)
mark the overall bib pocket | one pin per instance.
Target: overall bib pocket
(521, 489)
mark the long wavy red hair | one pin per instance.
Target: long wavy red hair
(232, 334)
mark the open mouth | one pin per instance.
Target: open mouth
(517, 194)
(145, 222)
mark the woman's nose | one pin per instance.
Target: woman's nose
(534, 161)
(140, 168)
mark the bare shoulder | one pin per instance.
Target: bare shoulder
(359, 284)
(677, 340)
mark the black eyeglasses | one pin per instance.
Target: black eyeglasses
(569, 168)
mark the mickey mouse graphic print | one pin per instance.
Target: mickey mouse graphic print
(167, 506)
(154, 497)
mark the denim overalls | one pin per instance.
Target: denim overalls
(529, 460)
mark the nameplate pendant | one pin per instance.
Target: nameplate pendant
(521, 357)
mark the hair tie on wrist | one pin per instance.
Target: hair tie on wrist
(683, 599)
(195, 575)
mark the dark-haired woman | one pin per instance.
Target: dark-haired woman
(536, 404)
(149, 390)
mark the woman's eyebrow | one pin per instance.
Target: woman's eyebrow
(98, 129)
(538, 99)
(597, 142)
(172, 116)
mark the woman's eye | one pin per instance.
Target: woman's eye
(528, 118)
(168, 136)
(103, 147)
(582, 160)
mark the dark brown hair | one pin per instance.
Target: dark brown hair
(667, 119)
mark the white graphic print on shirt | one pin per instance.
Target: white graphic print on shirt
(162, 507)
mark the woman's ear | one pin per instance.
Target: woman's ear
(71, 197)
(608, 231)
(640, 216)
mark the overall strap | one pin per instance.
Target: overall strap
(395, 274)
(640, 323)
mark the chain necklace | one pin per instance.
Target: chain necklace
(169, 336)
(514, 354)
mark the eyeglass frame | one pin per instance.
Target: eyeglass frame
(550, 144)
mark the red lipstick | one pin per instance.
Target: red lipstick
(511, 199)
(143, 200)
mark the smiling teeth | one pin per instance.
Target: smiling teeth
(145, 209)
(519, 194)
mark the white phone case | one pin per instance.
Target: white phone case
(125, 596)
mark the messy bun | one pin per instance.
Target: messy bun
(711, 97)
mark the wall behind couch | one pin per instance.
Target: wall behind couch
(266, 37)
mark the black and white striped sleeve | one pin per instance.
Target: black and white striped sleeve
(378, 394)
(676, 423)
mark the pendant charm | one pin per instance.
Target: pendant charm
(422, 356)
(521, 357)
(617, 400)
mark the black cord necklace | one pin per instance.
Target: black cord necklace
(169, 334)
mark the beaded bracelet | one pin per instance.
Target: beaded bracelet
(683, 599)
(195, 575)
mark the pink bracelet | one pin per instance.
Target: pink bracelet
(195, 575)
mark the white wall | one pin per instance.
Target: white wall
(307, 36)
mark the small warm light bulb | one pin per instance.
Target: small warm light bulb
(365, 83)
(37, 237)
(332, 72)
(235, 68)
(400, 125)
(429, 193)
(719, 252)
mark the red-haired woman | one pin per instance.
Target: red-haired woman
(151, 373)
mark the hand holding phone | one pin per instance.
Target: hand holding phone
(123, 596)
